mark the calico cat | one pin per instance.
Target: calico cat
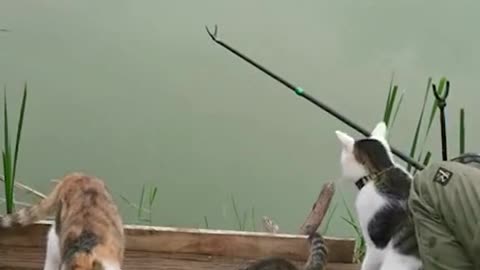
(381, 202)
(87, 233)
(317, 259)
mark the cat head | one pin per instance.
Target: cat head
(365, 156)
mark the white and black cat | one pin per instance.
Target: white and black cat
(381, 202)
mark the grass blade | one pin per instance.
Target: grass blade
(140, 204)
(128, 202)
(351, 220)
(390, 88)
(462, 131)
(387, 102)
(131, 204)
(152, 195)
(19, 131)
(352, 223)
(205, 219)
(419, 124)
(237, 216)
(329, 219)
(8, 194)
(426, 160)
(254, 223)
(360, 243)
(347, 208)
(394, 117)
(244, 222)
(7, 158)
(390, 103)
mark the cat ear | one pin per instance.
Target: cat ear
(346, 140)
(380, 130)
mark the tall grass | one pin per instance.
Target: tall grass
(10, 160)
(393, 103)
(145, 204)
(392, 106)
(360, 247)
(241, 219)
(328, 219)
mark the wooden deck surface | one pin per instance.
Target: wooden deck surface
(179, 249)
(32, 259)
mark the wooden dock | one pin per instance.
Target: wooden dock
(161, 248)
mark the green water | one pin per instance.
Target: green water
(136, 93)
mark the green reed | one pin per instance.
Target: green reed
(145, 204)
(242, 220)
(392, 107)
(9, 158)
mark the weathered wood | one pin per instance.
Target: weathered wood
(32, 259)
(163, 247)
(319, 209)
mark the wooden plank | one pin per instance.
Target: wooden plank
(31, 258)
(233, 243)
(24, 247)
(199, 241)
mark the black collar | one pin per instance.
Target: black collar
(360, 183)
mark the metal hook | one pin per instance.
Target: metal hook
(214, 34)
(442, 101)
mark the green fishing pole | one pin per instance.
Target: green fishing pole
(299, 91)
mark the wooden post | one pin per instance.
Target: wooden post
(319, 209)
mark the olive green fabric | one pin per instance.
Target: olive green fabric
(445, 206)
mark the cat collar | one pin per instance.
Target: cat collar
(360, 183)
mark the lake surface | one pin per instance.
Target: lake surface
(137, 93)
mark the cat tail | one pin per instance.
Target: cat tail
(317, 259)
(34, 213)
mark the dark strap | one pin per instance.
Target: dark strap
(360, 183)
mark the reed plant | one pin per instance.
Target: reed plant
(418, 145)
(10, 151)
(145, 204)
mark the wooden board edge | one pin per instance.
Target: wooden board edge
(140, 229)
(199, 241)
